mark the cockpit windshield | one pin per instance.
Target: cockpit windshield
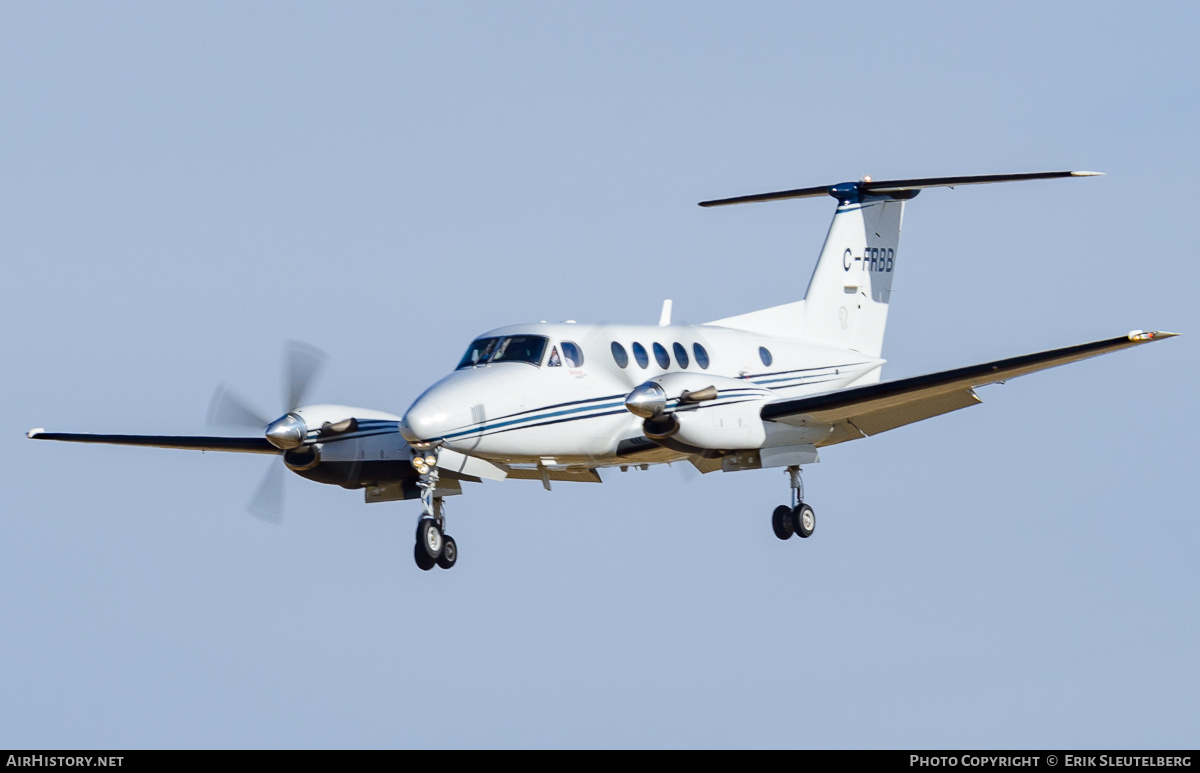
(520, 349)
(508, 349)
(478, 352)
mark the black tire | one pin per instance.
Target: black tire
(430, 538)
(449, 554)
(424, 562)
(804, 520)
(782, 523)
(421, 526)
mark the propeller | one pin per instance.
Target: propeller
(657, 424)
(228, 409)
(597, 348)
(267, 503)
(302, 363)
(685, 471)
(694, 331)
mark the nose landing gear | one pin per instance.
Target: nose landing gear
(799, 518)
(434, 546)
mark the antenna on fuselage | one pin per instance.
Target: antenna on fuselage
(664, 318)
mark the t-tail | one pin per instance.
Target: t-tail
(846, 303)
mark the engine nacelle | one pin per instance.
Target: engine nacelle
(701, 411)
(735, 425)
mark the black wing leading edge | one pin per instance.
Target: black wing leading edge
(245, 445)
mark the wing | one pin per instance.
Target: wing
(869, 410)
(244, 445)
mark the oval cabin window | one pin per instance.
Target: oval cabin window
(680, 355)
(661, 357)
(639, 354)
(618, 352)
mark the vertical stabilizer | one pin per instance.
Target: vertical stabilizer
(846, 303)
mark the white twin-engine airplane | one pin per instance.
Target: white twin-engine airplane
(557, 402)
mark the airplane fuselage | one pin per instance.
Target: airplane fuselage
(563, 400)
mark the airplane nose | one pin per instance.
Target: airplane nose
(424, 421)
(287, 432)
(406, 431)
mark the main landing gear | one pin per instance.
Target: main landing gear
(434, 546)
(799, 518)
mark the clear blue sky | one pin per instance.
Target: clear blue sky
(183, 187)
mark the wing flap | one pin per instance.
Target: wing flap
(914, 410)
(874, 408)
(883, 419)
(243, 445)
(574, 474)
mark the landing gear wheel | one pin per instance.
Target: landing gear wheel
(782, 522)
(449, 554)
(805, 520)
(429, 538)
(424, 562)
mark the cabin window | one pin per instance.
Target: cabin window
(573, 354)
(618, 353)
(764, 354)
(639, 354)
(520, 349)
(661, 356)
(701, 355)
(478, 352)
(680, 355)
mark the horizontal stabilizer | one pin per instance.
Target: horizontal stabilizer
(867, 186)
(244, 445)
(869, 410)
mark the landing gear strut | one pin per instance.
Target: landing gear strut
(799, 518)
(434, 546)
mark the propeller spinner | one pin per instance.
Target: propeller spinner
(287, 432)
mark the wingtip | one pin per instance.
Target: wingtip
(33, 433)
(1152, 335)
(1087, 174)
